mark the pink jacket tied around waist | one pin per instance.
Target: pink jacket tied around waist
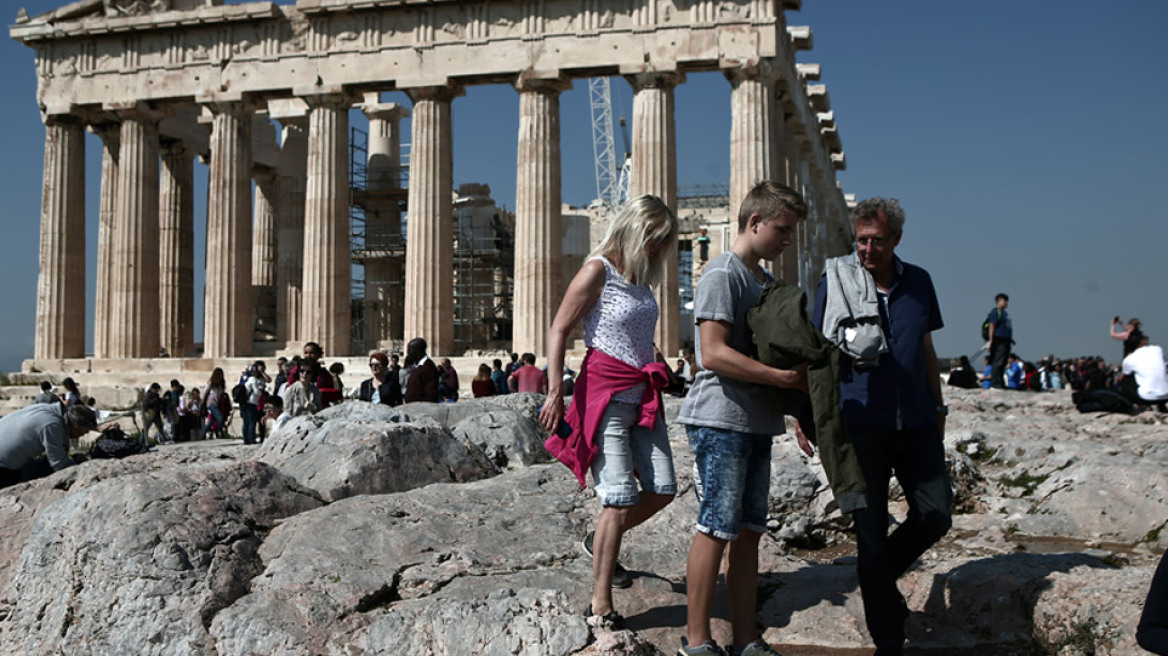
(601, 377)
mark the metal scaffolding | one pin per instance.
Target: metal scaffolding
(484, 253)
(373, 243)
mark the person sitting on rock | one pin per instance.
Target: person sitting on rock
(1015, 373)
(46, 395)
(274, 412)
(329, 391)
(451, 378)
(382, 387)
(303, 397)
(72, 395)
(961, 373)
(41, 429)
(1145, 381)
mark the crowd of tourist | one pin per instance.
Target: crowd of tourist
(1139, 380)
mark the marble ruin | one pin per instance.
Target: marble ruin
(163, 82)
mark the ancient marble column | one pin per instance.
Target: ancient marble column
(60, 313)
(176, 220)
(227, 307)
(538, 220)
(109, 134)
(384, 291)
(325, 313)
(789, 260)
(290, 229)
(429, 244)
(133, 328)
(655, 172)
(263, 249)
(752, 139)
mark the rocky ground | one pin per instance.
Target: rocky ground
(444, 530)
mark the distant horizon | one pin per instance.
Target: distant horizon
(1026, 161)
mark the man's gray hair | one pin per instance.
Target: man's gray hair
(79, 416)
(872, 208)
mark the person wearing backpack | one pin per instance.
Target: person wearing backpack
(998, 331)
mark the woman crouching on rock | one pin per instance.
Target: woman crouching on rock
(615, 424)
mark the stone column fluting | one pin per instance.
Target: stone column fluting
(430, 241)
(109, 133)
(227, 307)
(789, 260)
(655, 172)
(384, 291)
(290, 229)
(133, 328)
(752, 139)
(325, 313)
(538, 219)
(263, 250)
(60, 309)
(176, 224)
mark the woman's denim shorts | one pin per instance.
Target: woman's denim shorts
(624, 447)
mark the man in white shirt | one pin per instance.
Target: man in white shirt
(1146, 366)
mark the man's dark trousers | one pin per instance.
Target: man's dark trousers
(999, 355)
(918, 459)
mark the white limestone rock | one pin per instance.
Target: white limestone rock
(141, 563)
(362, 448)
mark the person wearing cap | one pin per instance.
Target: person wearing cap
(40, 429)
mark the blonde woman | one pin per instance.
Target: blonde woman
(615, 424)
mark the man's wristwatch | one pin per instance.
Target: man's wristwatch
(943, 409)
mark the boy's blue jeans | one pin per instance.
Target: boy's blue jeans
(732, 478)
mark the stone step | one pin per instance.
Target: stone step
(120, 384)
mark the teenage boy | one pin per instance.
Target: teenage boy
(730, 418)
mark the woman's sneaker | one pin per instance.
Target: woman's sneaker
(612, 620)
(620, 576)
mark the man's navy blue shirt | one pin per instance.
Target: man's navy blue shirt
(895, 393)
(1003, 329)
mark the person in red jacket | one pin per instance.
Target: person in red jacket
(612, 296)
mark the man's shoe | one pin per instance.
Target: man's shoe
(756, 648)
(620, 576)
(708, 648)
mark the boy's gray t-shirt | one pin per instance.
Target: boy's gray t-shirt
(726, 292)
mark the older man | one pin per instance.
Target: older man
(881, 312)
(40, 429)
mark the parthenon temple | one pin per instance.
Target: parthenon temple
(171, 84)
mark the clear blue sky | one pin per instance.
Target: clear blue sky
(1027, 142)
